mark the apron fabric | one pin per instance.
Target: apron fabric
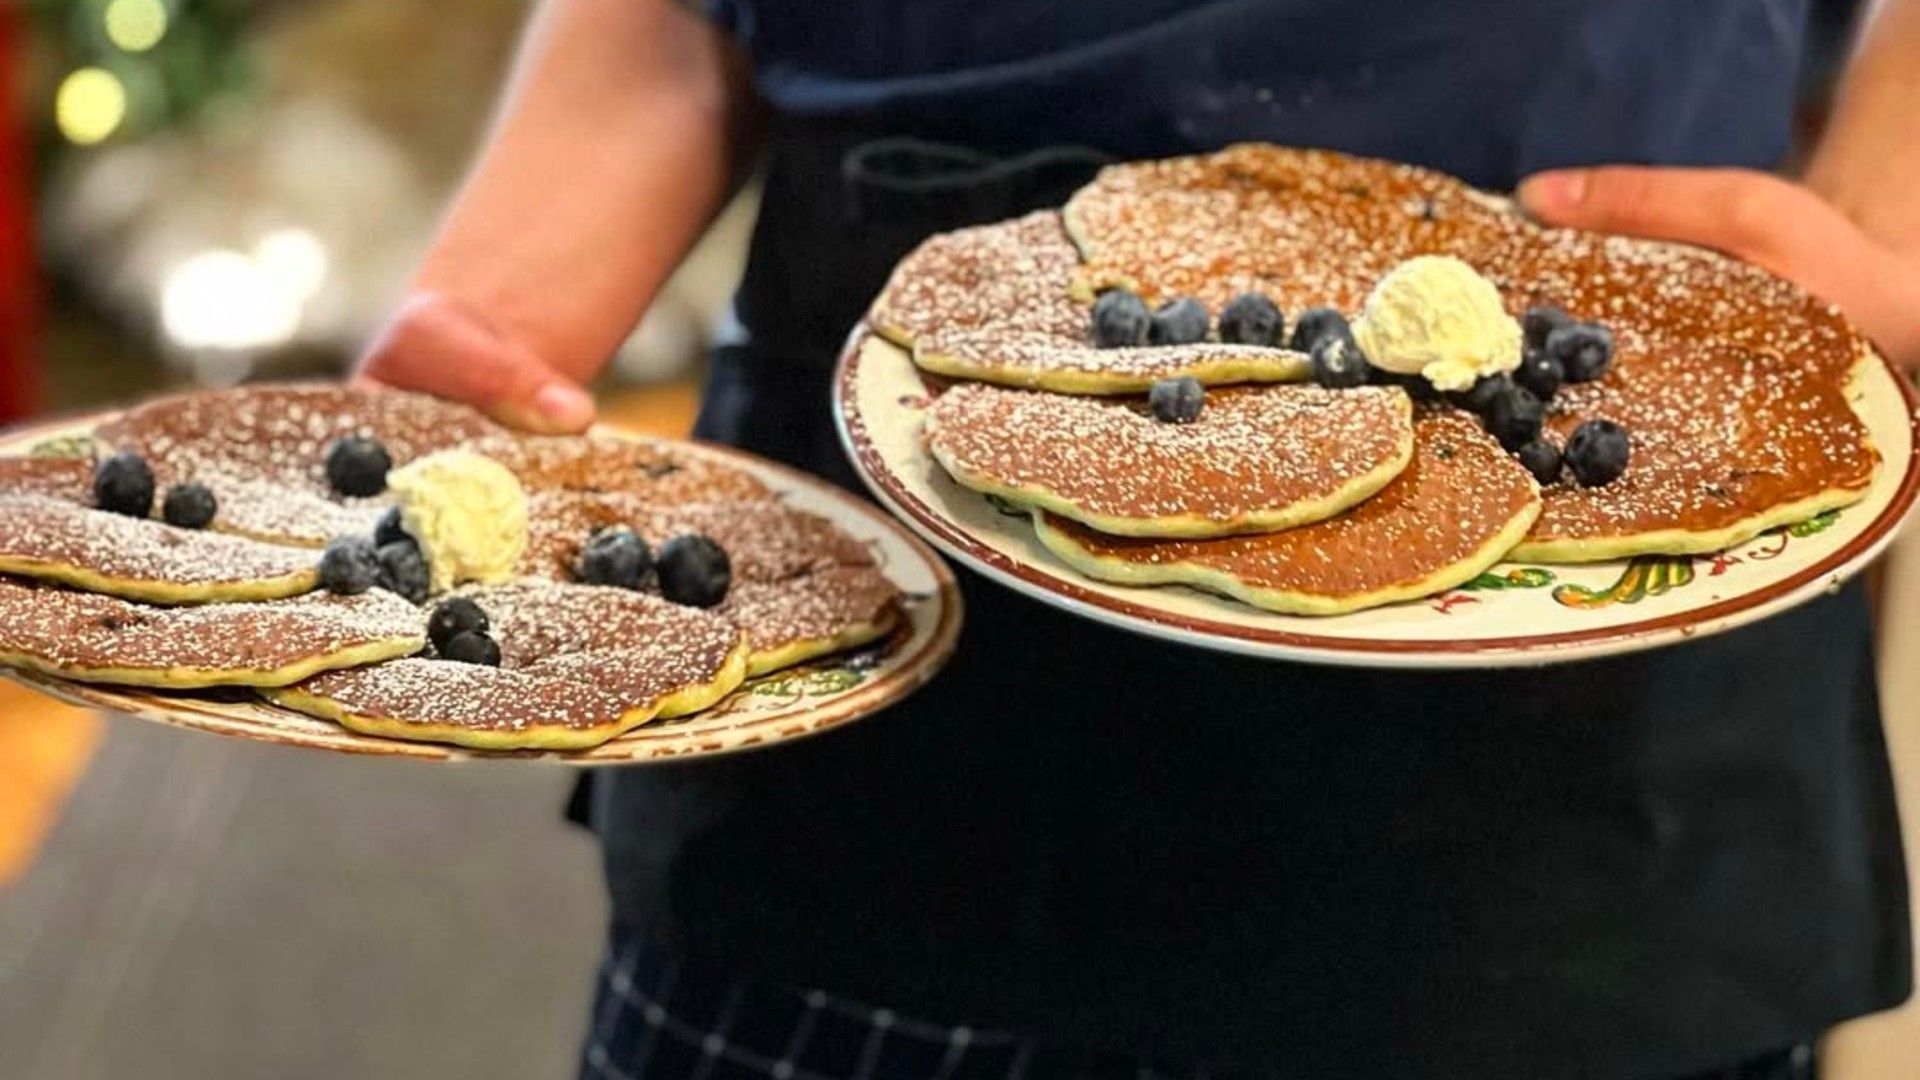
(1642, 866)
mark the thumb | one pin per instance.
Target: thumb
(1754, 215)
(435, 346)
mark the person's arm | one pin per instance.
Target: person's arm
(1850, 233)
(614, 148)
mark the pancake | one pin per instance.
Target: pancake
(624, 642)
(262, 450)
(765, 539)
(142, 559)
(1725, 446)
(69, 478)
(992, 303)
(467, 705)
(814, 615)
(655, 469)
(1454, 512)
(580, 664)
(94, 638)
(1256, 459)
(1732, 383)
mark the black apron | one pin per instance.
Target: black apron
(1637, 866)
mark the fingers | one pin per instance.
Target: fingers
(436, 347)
(1754, 216)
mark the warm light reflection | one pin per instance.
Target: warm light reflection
(90, 105)
(136, 25)
(295, 258)
(221, 299)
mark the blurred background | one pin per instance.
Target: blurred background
(197, 192)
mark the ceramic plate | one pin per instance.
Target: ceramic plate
(772, 709)
(1516, 614)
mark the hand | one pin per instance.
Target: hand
(438, 347)
(1754, 216)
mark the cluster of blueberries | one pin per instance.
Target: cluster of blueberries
(691, 568)
(459, 631)
(123, 484)
(358, 466)
(1558, 350)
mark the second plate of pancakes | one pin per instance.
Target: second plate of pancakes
(780, 700)
(1515, 614)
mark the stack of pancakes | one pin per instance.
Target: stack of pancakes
(1735, 386)
(96, 596)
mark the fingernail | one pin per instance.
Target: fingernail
(1561, 189)
(564, 405)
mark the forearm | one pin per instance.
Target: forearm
(613, 150)
(1868, 161)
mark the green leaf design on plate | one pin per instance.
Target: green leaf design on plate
(63, 446)
(811, 683)
(1520, 577)
(1648, 575)
(1818, 523)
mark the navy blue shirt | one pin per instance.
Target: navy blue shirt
(1639, 866)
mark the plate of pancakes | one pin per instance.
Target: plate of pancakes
(1143, 407)
(229, 561)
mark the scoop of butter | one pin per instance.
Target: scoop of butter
(468, 513)
(1434, 316)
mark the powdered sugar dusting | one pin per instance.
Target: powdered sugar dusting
(1251, 450)
(84, 630)
(47, 530)
(1459, 493)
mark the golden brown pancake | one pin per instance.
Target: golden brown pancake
(95, 638)
(993, 303)
(803, 618)
(143, 559)
(1256, 459)
(1730, 381)
(262, 450)
(1455, 511)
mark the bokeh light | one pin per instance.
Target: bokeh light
(136, 25)
(90, 105)
(222, 299)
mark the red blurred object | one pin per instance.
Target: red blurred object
(19, 288)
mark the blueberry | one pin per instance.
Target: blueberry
(1178, 322)
(615, 556)
(455, 615)
(1479, 398)
(1538, 322)
(124, 485)
(694, 571)
(1177, 401)
(190, 506)
(349, 565)
(1515, 418)
(403, 570)
(1314, 324)
(357, 465)
(1542, 459)
(1338, 362)
(471, 647)
(1583, 349)
(1540, 373)
(1597, 452)
(388, 529)
(1120, 319)
(1251, 319)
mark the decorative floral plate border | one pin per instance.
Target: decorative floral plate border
(775, 708)
(1514, 615)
